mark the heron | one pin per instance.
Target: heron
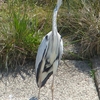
(49, 54)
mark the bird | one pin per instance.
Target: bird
(49, 54)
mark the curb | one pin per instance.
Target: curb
(96, 68)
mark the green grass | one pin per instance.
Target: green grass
(23, 23)
(20, 33)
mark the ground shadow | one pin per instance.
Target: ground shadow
(81, 66)
(25, 69)
(33, 98)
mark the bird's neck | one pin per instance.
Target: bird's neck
(54, 21)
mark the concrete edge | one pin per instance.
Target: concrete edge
(96, 68)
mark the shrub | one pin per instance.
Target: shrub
(19, 35)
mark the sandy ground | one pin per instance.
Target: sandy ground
(72, 82)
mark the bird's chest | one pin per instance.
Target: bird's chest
(52, 52)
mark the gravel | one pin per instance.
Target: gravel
(72, 82)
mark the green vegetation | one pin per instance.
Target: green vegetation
(23, 23)
(20, 32)
(92, 73)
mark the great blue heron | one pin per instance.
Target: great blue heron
(49, 53)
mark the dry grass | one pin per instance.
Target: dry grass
(82, 25)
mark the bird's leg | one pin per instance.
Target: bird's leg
(52, 86)
(39, 93)
(39, 87)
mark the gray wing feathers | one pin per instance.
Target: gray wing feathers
(43, 47)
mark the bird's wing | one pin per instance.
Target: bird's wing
(61, 48)
(60, 51)
(41, 52)
(41, 58)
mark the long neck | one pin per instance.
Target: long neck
(54, 20)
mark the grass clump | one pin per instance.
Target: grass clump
(20, 33)
(81, 23)
(90, 42)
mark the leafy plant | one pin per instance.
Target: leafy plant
(21, 36)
